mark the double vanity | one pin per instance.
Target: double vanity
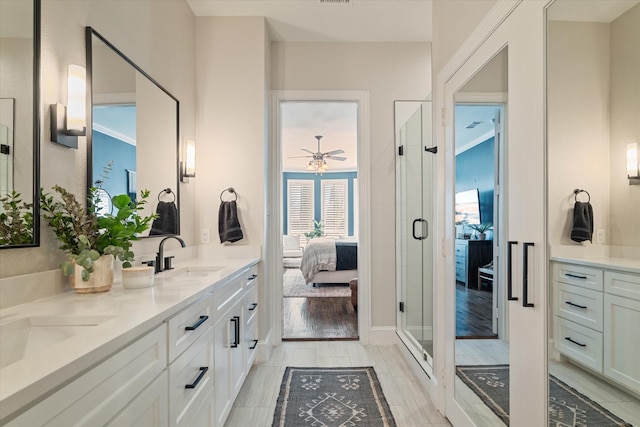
(175, 354)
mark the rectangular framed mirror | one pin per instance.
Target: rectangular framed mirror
(133, 140)
(19, 123)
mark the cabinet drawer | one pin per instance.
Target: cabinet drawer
(460, 250)
(251, 344)
(226, 295)
(622, 284)
(188, 325)
(578, 275)
(580, 305)
(622, 346)
(251, 305)
(149, 408)
(460, 275)
(579, 343)
(97, 396)
(191, 379)
(251, 276)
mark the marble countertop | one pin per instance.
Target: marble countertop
(130, 313)
(628, 265)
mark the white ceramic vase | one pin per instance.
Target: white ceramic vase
(100, 279)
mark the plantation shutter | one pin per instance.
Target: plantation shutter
(300, 209)
(334, 207)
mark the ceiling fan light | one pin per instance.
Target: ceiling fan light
(310, 166)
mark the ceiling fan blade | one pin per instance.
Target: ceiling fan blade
(308, 151)
(331, 153)
(336, 158)
(299, 157)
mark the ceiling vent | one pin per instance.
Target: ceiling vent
(335, 1)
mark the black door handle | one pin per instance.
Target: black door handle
(510, 296)
(413, 229)
(525, 274)
(236, 331)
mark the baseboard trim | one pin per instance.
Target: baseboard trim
(383, 335)
(264, 348)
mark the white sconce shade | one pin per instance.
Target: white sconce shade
(633, 164)
(188, 165)
(69, 122)
(76, 99)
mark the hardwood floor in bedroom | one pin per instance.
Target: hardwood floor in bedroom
(319, 318)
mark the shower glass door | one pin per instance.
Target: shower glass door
(414, 226)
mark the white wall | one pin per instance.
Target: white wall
(159, 37)
(578, 123)
(231, 68)
(389, 71)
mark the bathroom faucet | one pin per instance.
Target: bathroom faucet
(163, 263)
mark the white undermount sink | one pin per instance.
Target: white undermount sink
(191, 272)
(23, 337)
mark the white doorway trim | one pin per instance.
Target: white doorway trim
(274, 205)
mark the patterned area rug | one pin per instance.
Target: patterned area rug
(331, 397)
(567, 406)
(294, 286)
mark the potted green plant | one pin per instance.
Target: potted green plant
(16, 220)
(481, 229)
(318, 230)
(92, 239)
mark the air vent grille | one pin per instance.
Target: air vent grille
(335, 1)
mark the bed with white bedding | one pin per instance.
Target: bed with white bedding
(329, 261)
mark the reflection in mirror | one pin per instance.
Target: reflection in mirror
(482, 342)
(19, 123)
(134, 134)
(415, 207)
(593, 100)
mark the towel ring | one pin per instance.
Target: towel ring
(230, 190)
(167, 191)
(578, 191)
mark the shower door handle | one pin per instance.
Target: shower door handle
(425, 229)
(510, 296)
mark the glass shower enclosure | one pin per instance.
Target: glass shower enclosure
(415, 158)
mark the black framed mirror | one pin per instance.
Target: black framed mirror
(19, 123)
(134, 133)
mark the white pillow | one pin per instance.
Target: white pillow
(290, 243)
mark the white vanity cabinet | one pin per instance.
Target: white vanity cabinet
(597, 319)
(229, 330)
(129, 382)
(190, 361)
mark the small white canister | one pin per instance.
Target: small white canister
(138, 277)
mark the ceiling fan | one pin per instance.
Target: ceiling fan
(318, 160)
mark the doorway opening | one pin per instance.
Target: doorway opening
(319, 143)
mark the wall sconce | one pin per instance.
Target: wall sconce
(188, 165)
(70, 121)
(633, 164)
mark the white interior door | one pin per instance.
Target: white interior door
(521, 32)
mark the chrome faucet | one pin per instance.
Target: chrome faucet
(163, 263)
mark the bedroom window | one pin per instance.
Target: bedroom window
(334, 207)
(300, 209)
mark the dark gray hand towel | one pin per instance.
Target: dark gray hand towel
(228, 223)
(167, 221)
(582, 222)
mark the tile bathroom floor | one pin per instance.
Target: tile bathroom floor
(410, 404)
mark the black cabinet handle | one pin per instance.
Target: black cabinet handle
(413, 229)
(253, 346)
(253, 276)
(197, 324)
(575, 276)
(236, 331)
(510, 296)
(203, 371)
(253, 306)
(575, 342)
(576, 305)
(525, 274)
